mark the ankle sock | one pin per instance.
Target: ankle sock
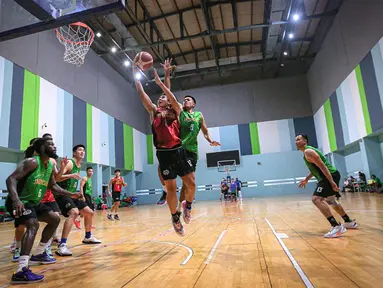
(346, 218)
(332, 221)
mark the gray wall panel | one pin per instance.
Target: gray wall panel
(252, 101)
(357, 27)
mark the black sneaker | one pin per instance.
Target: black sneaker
(109, 216)
(116, 217)
(162, 200)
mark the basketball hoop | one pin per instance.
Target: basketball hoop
(77, 39)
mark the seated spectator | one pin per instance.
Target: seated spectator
(99, 202)
(376, 184)
(347, 185)
(362, 177)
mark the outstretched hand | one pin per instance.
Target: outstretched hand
(167, 65)
(215, 143)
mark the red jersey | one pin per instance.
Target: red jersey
(48, 197)
(117, 184)
(166, 128)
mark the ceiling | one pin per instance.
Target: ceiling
(216, 42)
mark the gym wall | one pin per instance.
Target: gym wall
(353, 116)
(357, 27)
(31, 106)
(95, 82)
(269, 159)
(254, 101)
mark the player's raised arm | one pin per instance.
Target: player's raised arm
(167, 70)
(146, 101)
(173, 100)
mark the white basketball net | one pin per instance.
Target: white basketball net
(77, 39)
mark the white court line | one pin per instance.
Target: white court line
(211, 254)
(302, 274)
(191, 252)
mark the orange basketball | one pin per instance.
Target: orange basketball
(143, 60)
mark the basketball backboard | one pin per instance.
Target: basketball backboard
(23, 17)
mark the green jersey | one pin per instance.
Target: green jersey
(315, 170)
(71, 184)
(190, 125)
(88, 186)
(32, 188)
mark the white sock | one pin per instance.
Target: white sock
(56, 234)
(41, 248)
(49, 242)
(23, 262)
(18, 244)
(164, 188)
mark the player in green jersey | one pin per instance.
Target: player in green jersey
(27, 186)
(86, 190)
(328, 179)
(20, 229)
(86, 187)
(71, 208)
(191, 122)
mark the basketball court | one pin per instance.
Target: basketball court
(259, 71)
(249, 244)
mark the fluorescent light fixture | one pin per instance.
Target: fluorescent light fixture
(296, 17)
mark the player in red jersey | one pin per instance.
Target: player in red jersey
(117, 183)
(171, 156)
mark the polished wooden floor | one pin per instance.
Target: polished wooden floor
(226, 245)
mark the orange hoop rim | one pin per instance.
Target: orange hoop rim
(74, 42)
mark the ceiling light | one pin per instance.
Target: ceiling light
(138, 75)
(291, 35)
(285, 53)
(114, 49)
(296, 17)
(98, 34)
(127, 63)
(282, 65)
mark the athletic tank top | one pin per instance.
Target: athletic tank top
(190, 126)
(71, 184)
(32, 188)
(117, 184)
(48, 197)
(88, 186)
(166, 128)
(314, 169)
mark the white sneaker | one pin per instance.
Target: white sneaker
(62, 250)
(335, 232)
(91, 240)
(351, 225)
